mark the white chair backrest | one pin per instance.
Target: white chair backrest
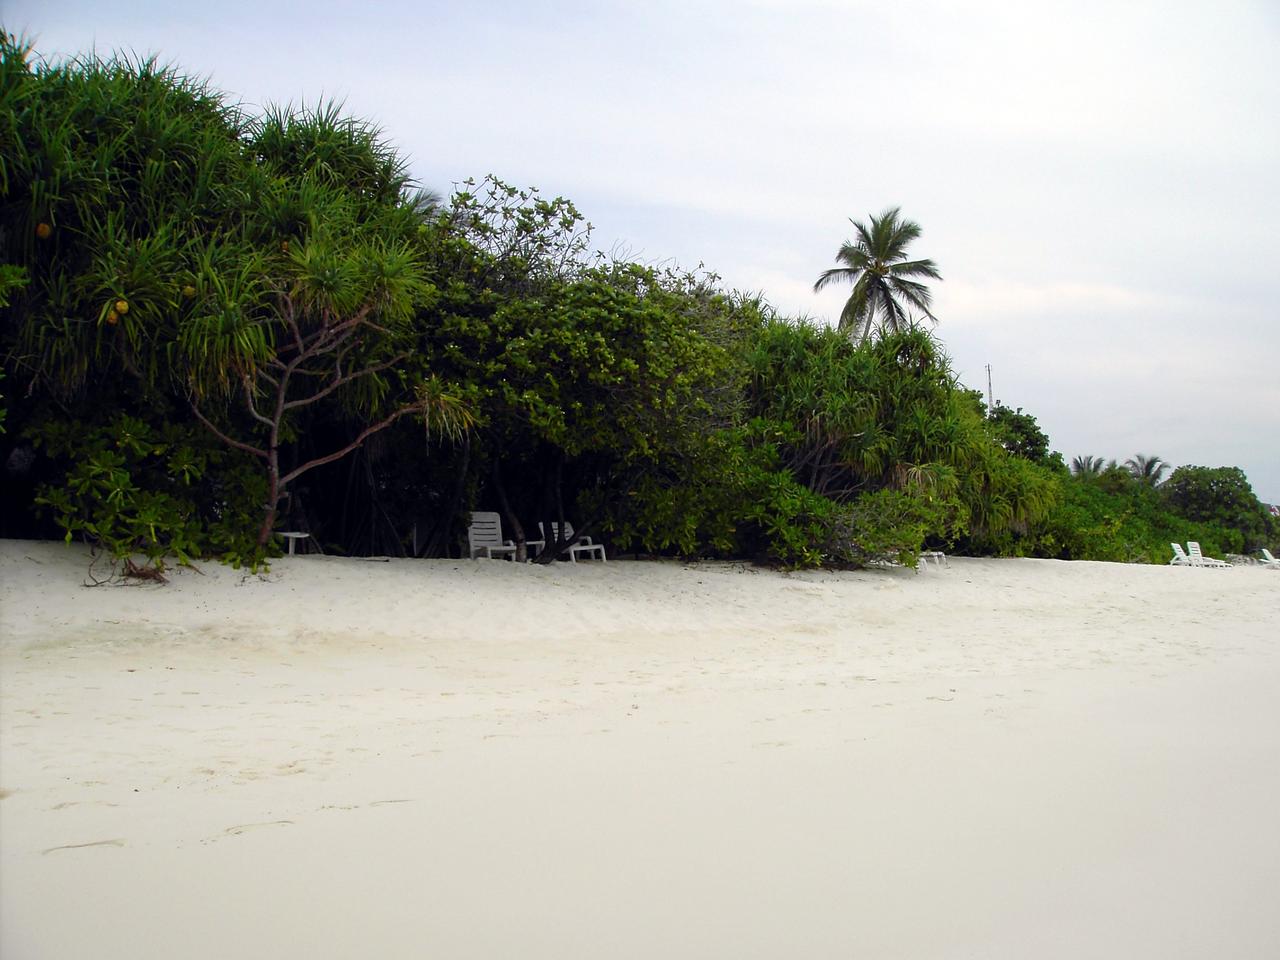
(1193, 548)
(485, 530)
(1179, 552)
(1266, 554)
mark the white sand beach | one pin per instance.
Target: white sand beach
(478, 759)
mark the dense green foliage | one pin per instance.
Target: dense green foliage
(156, 489)
(1019, 433)
(1109, 512)
(1128, 522)
(848, 452)
(217, 325)
(189, 265)
(1220, 496)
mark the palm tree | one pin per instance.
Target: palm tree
(876, 264)
(425, 203)
(1148, 470)
(1087, 466)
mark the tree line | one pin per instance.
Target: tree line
(217, 325)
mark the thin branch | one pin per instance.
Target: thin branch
(248, 399)
(364, 435)
(336, 331)
(290, 317)
(325, 339)
(345, 349)
(339, 381)
(224, 438)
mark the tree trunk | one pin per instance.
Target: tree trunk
(517, 530)
(436, 544)
(273, 495)
(553, 531)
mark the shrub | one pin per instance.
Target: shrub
(134, 488)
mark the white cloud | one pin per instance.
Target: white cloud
(980, 303)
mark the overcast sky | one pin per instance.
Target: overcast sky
(1099, 182)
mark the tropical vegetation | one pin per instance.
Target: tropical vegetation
(219, 325)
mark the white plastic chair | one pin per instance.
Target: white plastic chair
(579, 545)
(484, 536)
(1269, 560)
(1180, 558)
(1198, 559)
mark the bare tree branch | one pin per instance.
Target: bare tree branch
(347, 378)
(248, 399)
(291, 319)
(224, 438)
(338, 455)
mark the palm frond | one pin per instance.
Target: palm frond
(832, 275)
(917, 294)
(916, 268)
(875, 263)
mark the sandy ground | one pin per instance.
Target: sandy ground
(477, 759)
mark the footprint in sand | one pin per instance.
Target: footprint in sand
(77, 803)
(245, 827)
(358, 806)
(80, 846)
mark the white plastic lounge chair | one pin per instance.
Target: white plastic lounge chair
(1268, 560)
(937, 557)
(1198, 559)
(578, 545)
(484, 537)
(1180, 558)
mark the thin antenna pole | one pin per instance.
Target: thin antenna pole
(991, 406)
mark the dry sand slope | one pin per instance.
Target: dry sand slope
(466, 759)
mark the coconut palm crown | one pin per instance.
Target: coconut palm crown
(1088, 466)
(876, 263)
(1148, 470)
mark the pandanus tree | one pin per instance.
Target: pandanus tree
(315, 302)
(112, 172)
(883, 425)
(330, 322)
(884, 281)
(109, 170)
(240, 281)
(858, 418)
